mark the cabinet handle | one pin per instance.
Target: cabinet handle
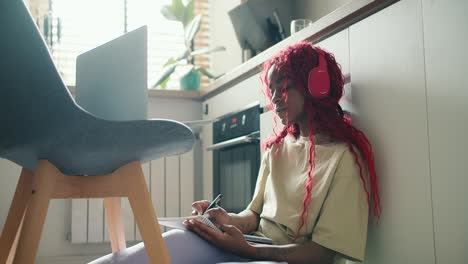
(252, 137)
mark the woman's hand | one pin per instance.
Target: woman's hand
(217, 215)
(199, 207)
(231, 240)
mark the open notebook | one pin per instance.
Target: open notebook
(177, 222)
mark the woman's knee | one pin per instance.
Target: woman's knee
(182, 241)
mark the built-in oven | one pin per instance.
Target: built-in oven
(236, 157)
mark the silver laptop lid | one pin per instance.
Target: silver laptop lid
(111, 79)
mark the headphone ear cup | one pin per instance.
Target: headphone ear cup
(318, 82)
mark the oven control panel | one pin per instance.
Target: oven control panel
(237, 124)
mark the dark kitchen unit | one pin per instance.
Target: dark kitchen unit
(236, 157)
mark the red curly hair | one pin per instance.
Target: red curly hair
(294, 64)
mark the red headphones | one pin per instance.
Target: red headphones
(319, 80)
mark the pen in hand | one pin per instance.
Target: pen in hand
(213, 203)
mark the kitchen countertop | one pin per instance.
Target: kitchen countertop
(175, 94)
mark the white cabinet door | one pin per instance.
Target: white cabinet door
(269, 124)
(445, 43)
(338, 44)
(206, 138)
(388, 79)
(234, 98)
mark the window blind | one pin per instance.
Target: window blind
(202, 39)
(85, 24)
(165, 37)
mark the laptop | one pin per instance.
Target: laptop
(111, 79)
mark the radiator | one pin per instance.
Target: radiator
(171, 184)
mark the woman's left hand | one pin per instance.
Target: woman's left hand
(231, 240)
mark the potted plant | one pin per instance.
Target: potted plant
(183, 11)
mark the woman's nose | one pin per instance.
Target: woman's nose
(275, 96)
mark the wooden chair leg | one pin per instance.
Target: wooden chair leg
(12, 227)
(44, 181)
(11, 256)
(115, 223)
(27, 214)
(145, 215)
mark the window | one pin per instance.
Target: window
(165, 37)
(85, 24)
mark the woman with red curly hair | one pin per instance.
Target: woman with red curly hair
(316, 185)
(317, 182)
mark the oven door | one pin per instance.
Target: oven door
(236, 163)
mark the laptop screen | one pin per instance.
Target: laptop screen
(111, 79)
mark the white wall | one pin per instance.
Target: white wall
(173, 108)
(222, 33)
(54, 241)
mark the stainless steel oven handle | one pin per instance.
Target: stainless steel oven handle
(252, 137)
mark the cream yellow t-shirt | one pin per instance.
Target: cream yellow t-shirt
(338, 211)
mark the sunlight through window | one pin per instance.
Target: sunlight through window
(86, 24)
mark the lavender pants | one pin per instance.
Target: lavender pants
(184, 247)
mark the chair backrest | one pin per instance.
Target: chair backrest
(32, 92)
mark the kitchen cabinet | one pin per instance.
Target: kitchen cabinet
(389, 98)
(445, 42)
(338, 44)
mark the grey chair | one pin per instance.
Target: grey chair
(67, 152)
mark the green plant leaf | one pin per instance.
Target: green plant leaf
(207, 73)
(169, 62)
(189, 12)
(167, 71)
(166, 11)
(178, 9)
(163, 85)
(192, 29)
(207, 50)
